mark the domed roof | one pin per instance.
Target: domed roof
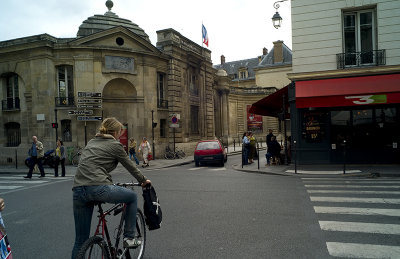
(109, 20)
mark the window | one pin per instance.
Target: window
(162, 101)
(193, 84)
(66, 130)
(11, 92)
(359, 37)
(194, 119)
(243, 74)
(65, 85)
(13, 134)
(163, 128)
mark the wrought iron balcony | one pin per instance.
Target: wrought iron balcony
(162, 103)
(360, 59)
(10, 104)
(65, 101)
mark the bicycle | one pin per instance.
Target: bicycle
(100, 244)
(76, 157)
(169, 154)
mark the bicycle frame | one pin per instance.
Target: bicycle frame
(102, 228)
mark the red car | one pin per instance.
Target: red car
(210, 151)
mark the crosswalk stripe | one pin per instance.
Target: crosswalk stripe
(352, 179)
(194, 168)
(353, 192)
(27, 181)
(218, 169)
(321, 172)
(360, 200)
(10, 187)
(361, 227)
(352, 186)
(353, 250)
(357, 211)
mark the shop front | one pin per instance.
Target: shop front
(355, 119)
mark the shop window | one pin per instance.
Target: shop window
(163, 128)
(194, 119)
(13, 134)
(387, 115)
(340, 118)
(362, 117)
(66, 130)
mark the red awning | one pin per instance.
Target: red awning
(353, 91)
(272, 104)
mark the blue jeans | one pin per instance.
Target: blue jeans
(268, 157)
(134, 157)
(245, 156)
(83, 198)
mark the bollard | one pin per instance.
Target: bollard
(234, 142)
(16, 159)
(258, 155)
(344, 156)
(295, 156)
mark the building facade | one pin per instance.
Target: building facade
(345, 93)
(63, 87)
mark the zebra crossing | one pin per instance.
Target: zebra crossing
(359, 216)
(11, 183)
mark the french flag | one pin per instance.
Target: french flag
(205, 35)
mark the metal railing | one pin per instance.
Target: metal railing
(359, 59)
(64, 101)
(10, 104)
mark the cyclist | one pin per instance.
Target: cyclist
(93, 183)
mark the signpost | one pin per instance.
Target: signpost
(80, 112)
(174, 124)
(90, 118)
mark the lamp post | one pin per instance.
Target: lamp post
(277, 19)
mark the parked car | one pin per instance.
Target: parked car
(210, 151)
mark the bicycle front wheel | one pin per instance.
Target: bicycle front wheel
(75, 159)
(94, 247)
(140, 234)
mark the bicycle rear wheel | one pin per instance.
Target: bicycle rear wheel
(140, 234)
(93, 248)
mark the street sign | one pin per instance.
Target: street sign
(89, 118)
(89, 95)
(90, 100)
(173, 125)
(80, 112)
(90, 106)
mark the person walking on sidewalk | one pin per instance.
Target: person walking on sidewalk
(36, 153)
(146, 150)
(93, 183)
(132, 150)
(60, 158)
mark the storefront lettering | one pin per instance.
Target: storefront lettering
(368, 99)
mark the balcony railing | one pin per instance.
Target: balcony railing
(10, 104)
(162, 103)
(360, 59)
(64, 101)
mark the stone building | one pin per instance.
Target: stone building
(109, 69)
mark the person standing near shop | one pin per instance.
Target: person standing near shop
(252, 147)
(36, 153)
(146, 150)
(60, 158)
(245, 149)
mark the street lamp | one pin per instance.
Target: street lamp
(277, 19)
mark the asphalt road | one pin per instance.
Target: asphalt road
(208, 212)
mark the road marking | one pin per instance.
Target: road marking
(352, 179)
(376, 228)
(352, 250)
(353, 192)
(27, 181)
(357, 211)
(194, 168)
(218, 169)
(351, 186)
(359, 200)
(10, 187)
(322, 172)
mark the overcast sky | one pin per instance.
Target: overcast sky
(237, 29)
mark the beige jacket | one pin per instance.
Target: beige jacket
(101, 156)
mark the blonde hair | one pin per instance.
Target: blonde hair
(110, 126)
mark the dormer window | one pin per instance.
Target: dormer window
(243, 73)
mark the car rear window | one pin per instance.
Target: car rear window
(207, 145)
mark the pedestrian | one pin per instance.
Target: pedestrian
(36, 153)
(274, 150)
(132, 150)
(146, 150)
(93, 183)
(269, 136)
(252, 147)
(60, 158)
(245, 149)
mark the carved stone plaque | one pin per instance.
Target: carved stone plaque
(119, 64)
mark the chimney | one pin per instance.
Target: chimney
(265, 51)
(222, 59)
(278, 51)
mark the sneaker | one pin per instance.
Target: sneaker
(131, 242)
(28, 177)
